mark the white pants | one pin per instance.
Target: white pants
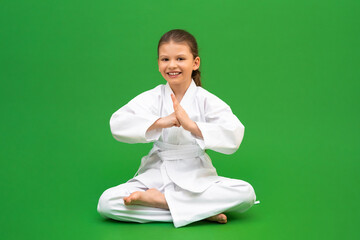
(184, 207)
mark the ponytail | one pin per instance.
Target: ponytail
(196, 76)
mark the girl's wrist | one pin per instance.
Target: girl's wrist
(194, 129)
(157, 124)
(160, 123)
(192, 126)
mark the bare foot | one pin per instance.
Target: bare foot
(220, 218)
(151, 198)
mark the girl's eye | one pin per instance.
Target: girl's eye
(166, 59)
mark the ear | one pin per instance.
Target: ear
(196, 64)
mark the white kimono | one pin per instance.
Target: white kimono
(177, 165)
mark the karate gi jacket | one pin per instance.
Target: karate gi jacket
(187, 165)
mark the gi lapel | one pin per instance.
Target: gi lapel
(185, 102)
(188, 99)
(168, 105)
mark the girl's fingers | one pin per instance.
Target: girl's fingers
(174, 100)
(173, 97)
(176, 123)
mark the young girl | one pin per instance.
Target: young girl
(176, 182)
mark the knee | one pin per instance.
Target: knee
(242, 191)
(251, 196)
(246, 193)
(111, 200)
(244, 197)
(103, 206)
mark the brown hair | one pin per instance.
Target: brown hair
(179, 35)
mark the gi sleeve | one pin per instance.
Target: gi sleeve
(129, 124)
(222, 131)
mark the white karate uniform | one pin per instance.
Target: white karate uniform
(177, 165)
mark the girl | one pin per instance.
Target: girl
(176, 182)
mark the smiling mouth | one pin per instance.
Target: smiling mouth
(173, 73)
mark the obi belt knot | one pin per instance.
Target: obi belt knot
(188, 166)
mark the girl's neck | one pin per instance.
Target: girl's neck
(180, 89)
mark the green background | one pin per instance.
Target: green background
(290, 71)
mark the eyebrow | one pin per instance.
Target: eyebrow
(181, 54)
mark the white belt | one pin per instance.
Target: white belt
(171, 152)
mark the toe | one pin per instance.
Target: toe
(127, 200)
(222, 218)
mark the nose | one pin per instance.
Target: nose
(172, 64)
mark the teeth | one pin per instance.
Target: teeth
(174, 73)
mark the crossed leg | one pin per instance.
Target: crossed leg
(111, 204)
(133, 201)
(154, 198)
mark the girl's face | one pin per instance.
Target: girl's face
(176, 58)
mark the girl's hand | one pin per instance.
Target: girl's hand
(165, 122)
(169, 121)
(180, 113)
(184, 119)
(178, 118)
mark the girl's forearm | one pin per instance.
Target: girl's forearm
(194, 129)
(155, 125)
